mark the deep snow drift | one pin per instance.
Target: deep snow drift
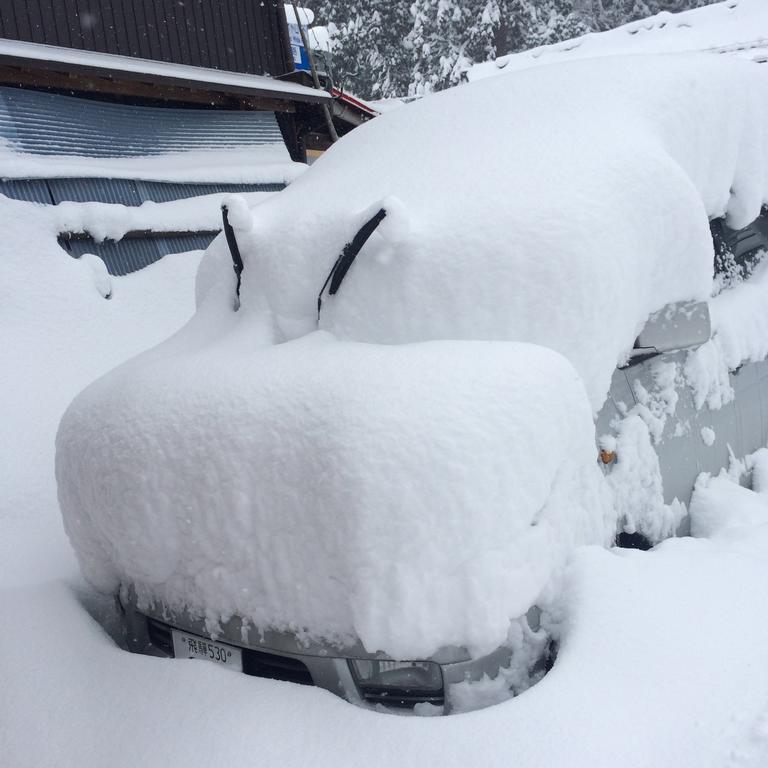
(386, 473)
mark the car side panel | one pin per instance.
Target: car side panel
(740, 426)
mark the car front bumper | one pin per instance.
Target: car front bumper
(280, 656)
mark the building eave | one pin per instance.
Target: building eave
(76, 64)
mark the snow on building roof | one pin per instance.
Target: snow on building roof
(737, 27)
(178, 74)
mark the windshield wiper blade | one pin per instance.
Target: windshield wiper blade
(348, 255)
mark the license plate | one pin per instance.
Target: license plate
(188, 646)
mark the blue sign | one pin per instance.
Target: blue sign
(298, 51)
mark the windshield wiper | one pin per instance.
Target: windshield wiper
(348, 255)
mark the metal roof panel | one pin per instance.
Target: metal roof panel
(40, 123)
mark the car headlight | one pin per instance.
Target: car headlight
(401, 675)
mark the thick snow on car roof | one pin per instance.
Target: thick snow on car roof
(559, 206)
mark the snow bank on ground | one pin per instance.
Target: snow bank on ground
(520, 208)
(738, 27)
(410, 496)
(57, 333)
(719, 507)
(661, 664)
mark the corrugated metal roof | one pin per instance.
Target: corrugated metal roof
(193, 241)
(162, 192)
(51, 124)
(131, 254)
(122, 191)
(33, 190)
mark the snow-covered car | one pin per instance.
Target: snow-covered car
(366, 459)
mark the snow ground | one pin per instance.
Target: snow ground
(662, 665)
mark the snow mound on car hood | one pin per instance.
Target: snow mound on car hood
(410, 496)
(559, 206)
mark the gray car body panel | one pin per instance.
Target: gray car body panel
(740, 426)
(328, 665)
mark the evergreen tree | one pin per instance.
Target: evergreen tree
(369, 55)
(614, 13)
(449, 36)
(385, 48)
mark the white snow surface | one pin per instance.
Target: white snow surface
(57, 333)
(535, 229)
(306, 15)
(735, 27)
(386, 493)
(708, 436)
(267, 164)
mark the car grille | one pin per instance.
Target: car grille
(402, 698)
(256, 663)
(275, 667)
(160, 636)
